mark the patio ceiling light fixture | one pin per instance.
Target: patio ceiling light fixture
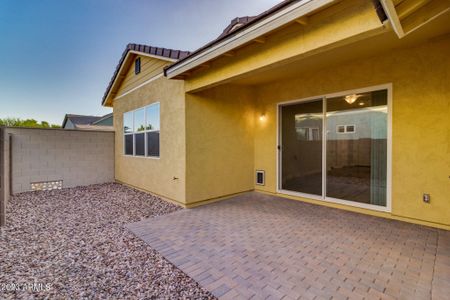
(350, 99)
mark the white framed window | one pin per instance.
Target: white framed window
(345, 129)
(141, 131)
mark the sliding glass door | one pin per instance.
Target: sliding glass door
(301, 159)
(347, 161)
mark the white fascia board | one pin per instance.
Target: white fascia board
(287, 15)
(391, 13)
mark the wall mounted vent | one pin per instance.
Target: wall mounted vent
(260, 177)
(47, 185)
(137, 66)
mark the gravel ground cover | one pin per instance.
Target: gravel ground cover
(72, 244)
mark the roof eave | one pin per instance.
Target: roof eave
(107, 116)
(246, 35)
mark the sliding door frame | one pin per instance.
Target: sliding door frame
(323, 197)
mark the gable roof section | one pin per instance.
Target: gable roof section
(110, 115)
(80, 119)
(157, 52)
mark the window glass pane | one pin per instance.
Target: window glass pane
(139, 143)
(153, 117)
(357, 157)
(129, 144)
(153, 143)
(139, 120)
(301, 149)
(350, 128)
(128, 122)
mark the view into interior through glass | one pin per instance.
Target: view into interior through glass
(356, 147)
(301, 132)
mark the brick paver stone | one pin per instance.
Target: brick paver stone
(260, 246)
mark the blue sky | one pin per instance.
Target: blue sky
(57, 56)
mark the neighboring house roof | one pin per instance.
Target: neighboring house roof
(86, 122)
(164, 53)
(103, 118)
(80, 119)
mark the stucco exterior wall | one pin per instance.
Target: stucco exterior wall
(155, 175)
(219, 142)
(420, 78)
(75, 157)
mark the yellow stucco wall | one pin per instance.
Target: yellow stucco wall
(421, 122)
(155, 175)
(219, 142)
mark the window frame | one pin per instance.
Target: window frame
(345, 126)
(278, 154)
(350, 125)
(145, 131)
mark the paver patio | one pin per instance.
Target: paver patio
(262, 246)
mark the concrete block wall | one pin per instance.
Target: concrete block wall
(4, 175)
(76, 157)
